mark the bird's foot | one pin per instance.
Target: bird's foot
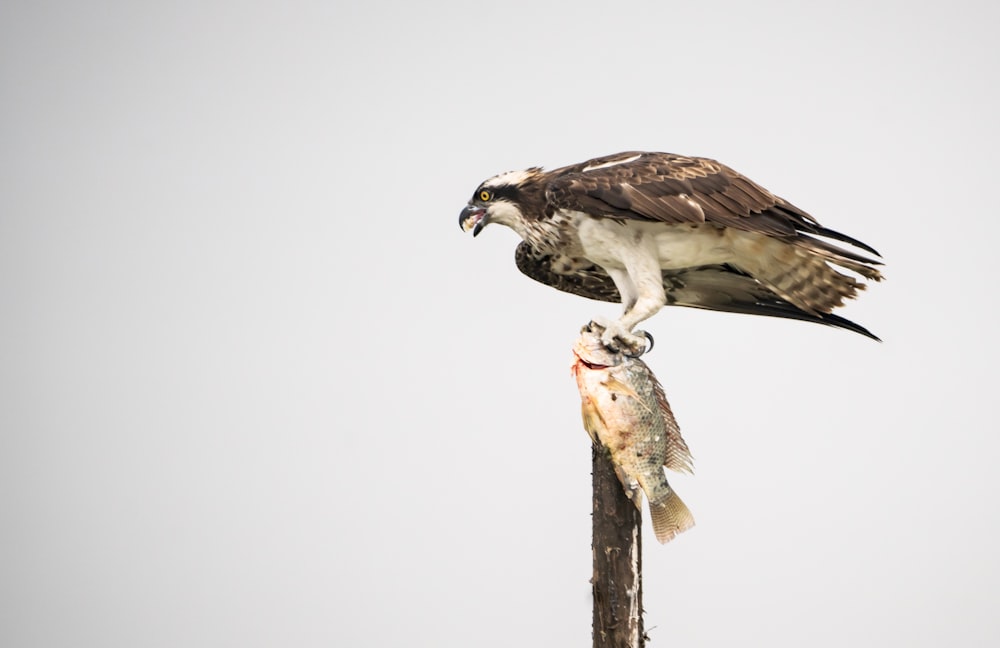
(616, 338)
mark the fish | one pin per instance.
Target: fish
(625, 410)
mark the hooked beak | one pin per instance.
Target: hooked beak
(473, 218)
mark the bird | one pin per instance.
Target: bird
(648, 229)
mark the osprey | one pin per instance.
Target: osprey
(652, 229)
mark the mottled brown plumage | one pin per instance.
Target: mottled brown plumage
(721, 241)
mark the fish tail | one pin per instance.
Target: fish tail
(670, 516)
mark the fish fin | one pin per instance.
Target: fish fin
(632, 489)
(593, 422)
(678, 455)
(615, 385)
(670, 516)
(635, 495)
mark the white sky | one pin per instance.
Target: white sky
(258, 389)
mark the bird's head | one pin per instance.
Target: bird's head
(506, 199)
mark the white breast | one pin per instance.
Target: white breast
(606, 242)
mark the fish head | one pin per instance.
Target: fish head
(590, 352)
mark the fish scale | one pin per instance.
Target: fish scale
(626, 411)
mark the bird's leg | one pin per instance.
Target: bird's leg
(630, 256)
(612, 335)
(640, 284)
(646, 306)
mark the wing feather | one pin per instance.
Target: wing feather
(678, 189)
(591, 282)
(671, 188)
(714, 287)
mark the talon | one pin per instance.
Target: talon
(642, 350)
(633, 355)
(597, 325)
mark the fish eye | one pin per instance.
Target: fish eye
(486, 195)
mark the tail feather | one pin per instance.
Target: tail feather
(728, 289)
(797, 274)
(670, 516)
(812, 285)
(858, 263)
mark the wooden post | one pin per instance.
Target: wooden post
(617, 547)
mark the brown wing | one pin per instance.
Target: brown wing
(591, 282)
(714, 287)
(676, 189)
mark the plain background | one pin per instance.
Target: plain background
(258, 389)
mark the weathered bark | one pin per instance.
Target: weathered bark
(617, 547)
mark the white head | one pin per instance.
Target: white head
(509, 199)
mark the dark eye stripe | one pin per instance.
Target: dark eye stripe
(505, 191)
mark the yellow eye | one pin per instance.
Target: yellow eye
(485, 195)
